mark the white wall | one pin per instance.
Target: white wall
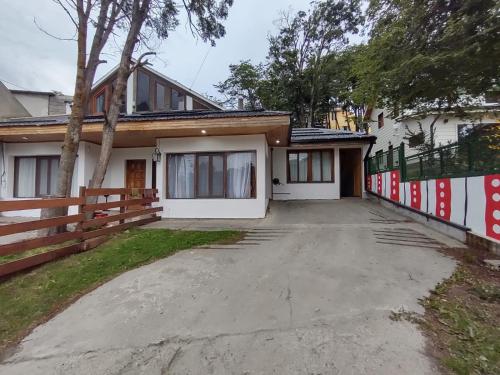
(394, 132)
(11, 150)
(214, 208)
(115, 175)
(286, 191)
(36, 105)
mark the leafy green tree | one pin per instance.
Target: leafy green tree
(295, 75)
(243, 83)
(429, 55)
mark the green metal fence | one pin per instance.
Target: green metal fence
(385, 161)
(469, 158)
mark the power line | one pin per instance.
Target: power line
(199, 69)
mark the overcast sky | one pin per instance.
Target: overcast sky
(34, 61)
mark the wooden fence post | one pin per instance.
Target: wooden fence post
(122, 208)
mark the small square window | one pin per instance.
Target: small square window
(380, 120)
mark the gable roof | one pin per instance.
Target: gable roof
(320, 135)
(9, 105)
(166, 78)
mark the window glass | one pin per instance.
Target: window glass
(212, 179)
(54, 173)
(303, 166)
(310, 166)
(217, 176)
(240, 174)
(25, 177)
(327, 165)
(316, 166)
(99, 103)
(292, 162)
(182, 99)
(160, 97)
(181, 176)
(43, 179)
(36, 176)
(174, 101)
(203, 176)
(142, 99)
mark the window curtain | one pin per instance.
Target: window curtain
(239, 175)
(26, 178)
(181, 176)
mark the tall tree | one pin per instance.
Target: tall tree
(243, 83)
(101, 17)
(160, 16)
(430, 55)
(297, 54)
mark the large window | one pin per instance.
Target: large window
(380, 120)
(142, 100)
(35, 176)
(230, 175)
(310, 166)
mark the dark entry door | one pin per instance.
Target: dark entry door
(350, 172)
(136, 174)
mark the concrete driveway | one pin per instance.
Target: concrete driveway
(309, 291)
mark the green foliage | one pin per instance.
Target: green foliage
(244, 82)
(426, 54)
(27, 299)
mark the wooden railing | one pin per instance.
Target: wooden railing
(91, 226)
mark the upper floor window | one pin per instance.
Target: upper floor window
(142, 98)
(160, 97)
(177, 101)
(100, 102)
(35, 176)
(380, 120)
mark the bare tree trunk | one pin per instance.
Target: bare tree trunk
(139, 13)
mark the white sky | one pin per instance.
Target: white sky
(35, 61)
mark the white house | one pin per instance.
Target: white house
(449, 127)
(205, 162)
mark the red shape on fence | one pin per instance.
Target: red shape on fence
(492, 211)
(443, 198)
(379, 183)
(415, 195)
(369, 183)
(395, 185)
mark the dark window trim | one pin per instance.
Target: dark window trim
(37, 158)
(380, 120)
(309, 166)
(253, 192)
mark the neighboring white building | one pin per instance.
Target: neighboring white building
(448, 127)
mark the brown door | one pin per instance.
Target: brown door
(350, 172)
(135, 178)
(136, 174)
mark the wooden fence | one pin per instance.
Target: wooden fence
(88, 228)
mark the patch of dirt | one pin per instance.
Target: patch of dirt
(462, 316)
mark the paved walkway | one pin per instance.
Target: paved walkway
(309, 291)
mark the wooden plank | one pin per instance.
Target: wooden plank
(39, 224)
(125, 203)
(122, 216)
(118, 228)
(38, 259)
(28, 204)
(20, 246)
(115, 191)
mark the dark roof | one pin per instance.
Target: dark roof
(149, 116)
(318, 135)
(32, 92)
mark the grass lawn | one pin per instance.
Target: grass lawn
(31, 298)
